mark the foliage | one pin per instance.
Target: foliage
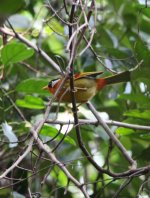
(121, 42)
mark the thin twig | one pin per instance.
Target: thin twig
(65, 6)
(57, 134)
(142, 186)
(34, 69)
(56, 14)
(20, 158)
(88, 18)
(89, 42)
(14, 105)
(124, 185)
(106, 163)
(97, 56)
(74, 34)
(47, 174)
(54, 149)
(109, 122)
(29, 192)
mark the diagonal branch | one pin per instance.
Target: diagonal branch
(55, 161)
(112, 136)
(30, 44)
(21, 157)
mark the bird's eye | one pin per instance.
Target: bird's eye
(52, 83)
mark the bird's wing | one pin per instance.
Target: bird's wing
(87, 74)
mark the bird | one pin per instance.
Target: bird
(86, 85)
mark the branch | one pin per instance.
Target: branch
(95, 122)
(74, 34)
(55, 13)
(55, 161)
(88, 43)
(30, 44)
(21, 157)
(112, 136)
(88, 18)
(98, 57)
(72, 93)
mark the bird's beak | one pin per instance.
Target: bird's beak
(45, 88)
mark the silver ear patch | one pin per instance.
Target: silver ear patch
(52, 83)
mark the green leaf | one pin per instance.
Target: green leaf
(138, 98)
(105, 38)
(126, 141)
(33, 85)
(132, 133)
(129, 15)
(118, 53)
(8, 7)
(15, 52)
(144, 27)
(145, 11)
(116, 4)
(48, 130)
(142, 52)
(55, 45)
(31, 102)
(51, 131)
(137, 121)
(138, 114)
(145, 154)
(142, 75)
(54, 26)
(124, 131)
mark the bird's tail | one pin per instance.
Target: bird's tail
(121, 77)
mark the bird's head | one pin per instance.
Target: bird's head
(52, 85)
